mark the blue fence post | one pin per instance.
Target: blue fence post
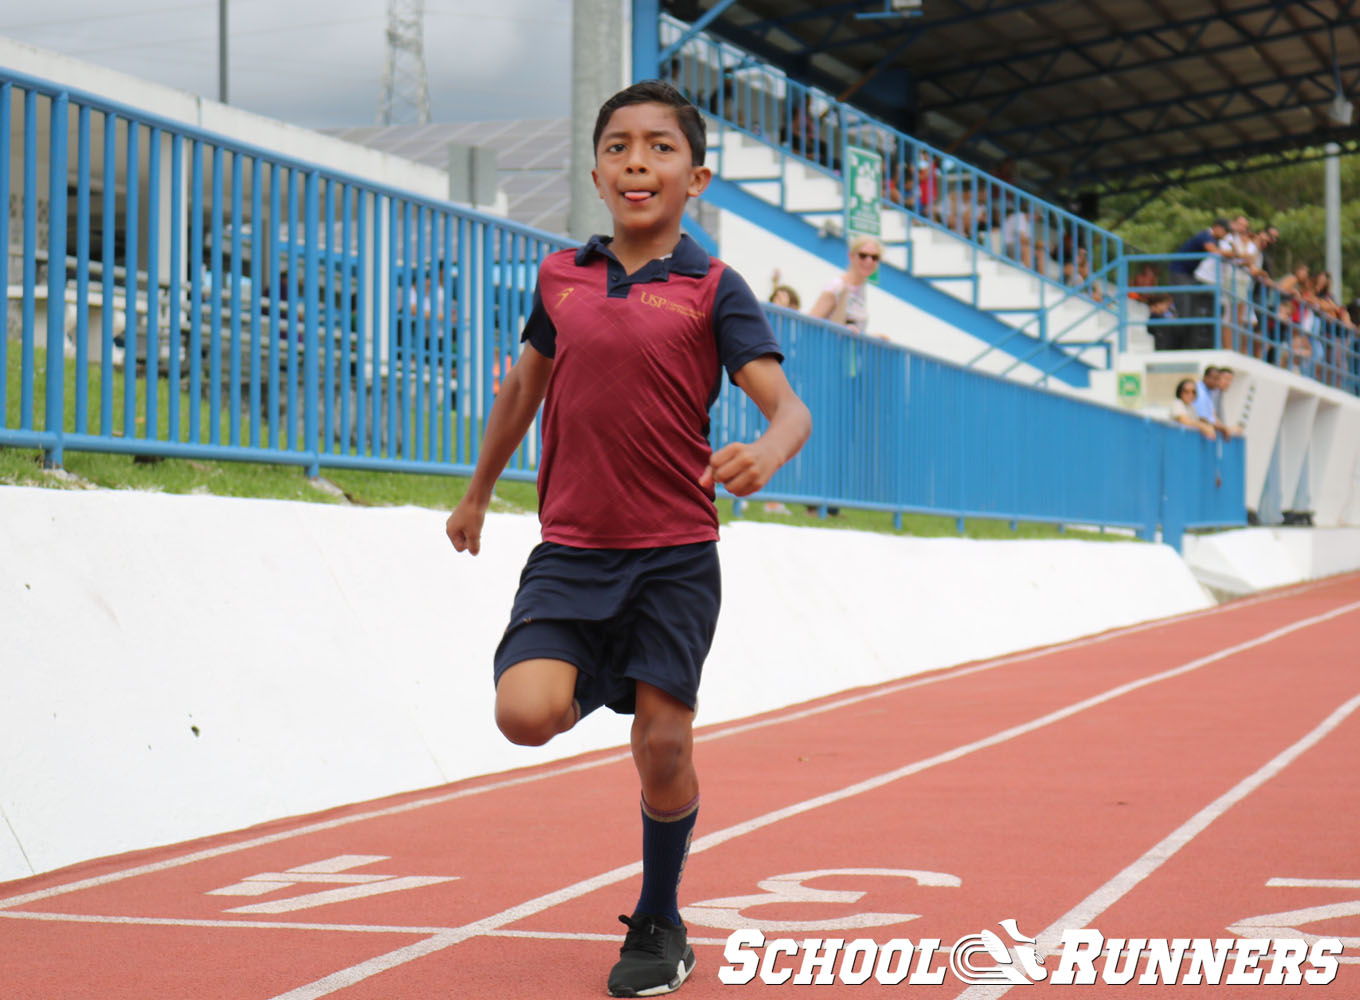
(131, 270)
(646, 39)
(6, 89)
(30, 265)
(56, 282)
(1123, 293)
(311, 302)
(82, 425)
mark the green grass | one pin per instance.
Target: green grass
(81, 470)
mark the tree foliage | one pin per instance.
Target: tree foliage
(1289, 197)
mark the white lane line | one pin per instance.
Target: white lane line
(95, 918)
(380, 963)
(1081, 915)
(783, 716)
(286, 925)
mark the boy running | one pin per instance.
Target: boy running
(617, 606)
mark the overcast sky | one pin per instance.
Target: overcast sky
(319, 63)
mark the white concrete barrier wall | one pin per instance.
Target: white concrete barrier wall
(176, 666)
(1234, 563)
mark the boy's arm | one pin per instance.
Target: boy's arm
(512, 414)
(744, 468)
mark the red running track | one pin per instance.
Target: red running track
(1188, 778)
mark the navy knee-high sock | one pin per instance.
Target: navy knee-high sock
(665, 845)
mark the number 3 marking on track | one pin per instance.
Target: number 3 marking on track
(726, 913)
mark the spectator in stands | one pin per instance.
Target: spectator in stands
(1145, 278)
(1206, 403)
(804, 136)
(1183, 408)
(843, 300)
(1193, 303)
(1331, 335)
(1240, 247)
(784, 295)
(1216, 392)
(1077, 274)
(1296, 319)
(1161, 306)
(1265, 242)
(1017, 236)
(1000, 201)
(927, 176)
(958, 212)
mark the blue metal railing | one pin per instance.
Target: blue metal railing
(1232, 311)
(968, 444)
(1073, 259)
(227, 302)
(230, 302)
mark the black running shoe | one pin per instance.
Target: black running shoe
(655, 958)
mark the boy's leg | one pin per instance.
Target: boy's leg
(662, 751)
(535, 700)
(656, 956)
(663, 746)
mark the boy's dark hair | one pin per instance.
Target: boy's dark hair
(658, 92)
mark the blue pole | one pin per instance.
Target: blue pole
(275, 302)
(646, 39)
(5, 92)
(234, 364)
(195, 262)
(82, 423)
(26, 357)
(215, 307)
(56, 281)
(360, 320)
(153, 282)
(312, 300)
(131, 271)
(257, 293)
(176, 277)
(108, 263)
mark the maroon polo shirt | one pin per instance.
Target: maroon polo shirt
(637, 364)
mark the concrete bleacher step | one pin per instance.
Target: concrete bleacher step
(947, 261)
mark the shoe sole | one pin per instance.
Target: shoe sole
(681, 974)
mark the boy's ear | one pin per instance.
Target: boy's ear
(698, 180)
(595, 179)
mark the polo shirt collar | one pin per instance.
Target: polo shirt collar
(688, 258)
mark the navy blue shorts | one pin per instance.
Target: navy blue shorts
(619, 616)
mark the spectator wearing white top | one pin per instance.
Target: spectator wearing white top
(1184, 409)
(1017, 237)
(844, 301)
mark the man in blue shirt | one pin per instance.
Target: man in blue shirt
(1192, 303)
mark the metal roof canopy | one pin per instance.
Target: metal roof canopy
(1105, 96)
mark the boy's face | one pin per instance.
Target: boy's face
(643, 171)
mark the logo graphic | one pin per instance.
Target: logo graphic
(1005, 970)
(1083, 957)
(660, 302)
(562, 295)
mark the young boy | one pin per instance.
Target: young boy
(618, 604)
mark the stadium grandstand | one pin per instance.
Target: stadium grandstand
(212, 697)
(209, 285)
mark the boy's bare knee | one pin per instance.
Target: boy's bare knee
(662, 751)
(527, 729)
(534, 701)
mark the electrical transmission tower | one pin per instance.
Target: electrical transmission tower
(405, 86)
